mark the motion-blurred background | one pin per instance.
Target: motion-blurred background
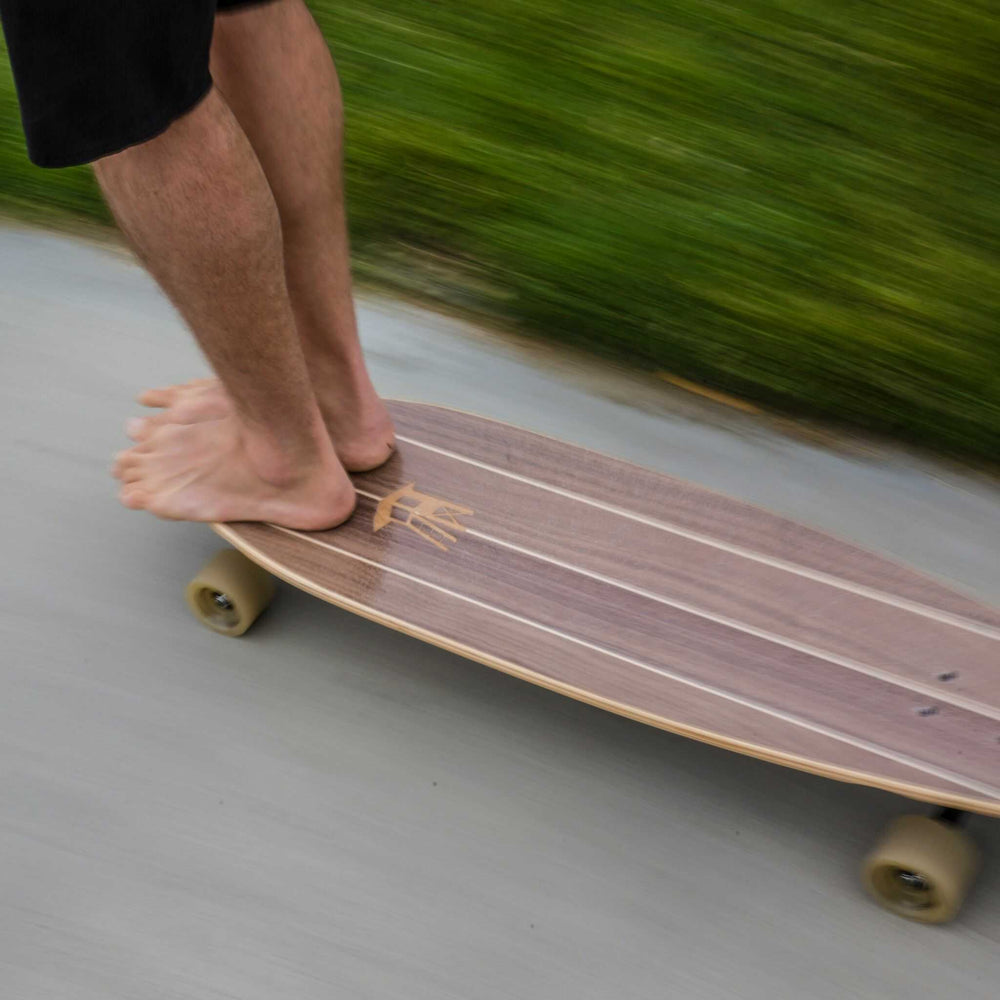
(797, 201)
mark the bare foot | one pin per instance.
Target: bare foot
(212, 470)
(361, 429)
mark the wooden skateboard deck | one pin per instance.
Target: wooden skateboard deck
(664, 602)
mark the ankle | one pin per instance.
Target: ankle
(298, 458)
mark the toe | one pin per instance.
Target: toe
(142, 429)
(164, 396)
(166, 507)
(137, 428)
(126, 462)
(132, 472)
(133, 497)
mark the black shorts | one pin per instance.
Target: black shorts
(96, 76)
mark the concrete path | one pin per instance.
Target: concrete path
(329, 809)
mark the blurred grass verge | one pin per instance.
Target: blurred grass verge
(793, 201)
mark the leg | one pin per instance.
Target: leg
(275, 71)
(196, 206)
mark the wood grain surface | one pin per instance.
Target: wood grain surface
(665, 602)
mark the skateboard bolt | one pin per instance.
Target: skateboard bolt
(913, 881)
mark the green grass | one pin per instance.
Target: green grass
(797, 201)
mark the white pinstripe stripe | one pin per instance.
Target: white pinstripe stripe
(914, 607)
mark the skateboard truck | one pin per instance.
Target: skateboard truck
(953, 817)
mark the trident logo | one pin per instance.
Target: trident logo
(431, 518)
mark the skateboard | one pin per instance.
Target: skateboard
(670, 604)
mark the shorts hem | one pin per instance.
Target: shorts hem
(239, 5)
(140, 134)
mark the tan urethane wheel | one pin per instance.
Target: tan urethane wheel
(921, 869)
(229, 593)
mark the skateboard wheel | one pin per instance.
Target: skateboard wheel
(921, 869)
(229, 592)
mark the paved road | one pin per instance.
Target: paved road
(329, 809)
